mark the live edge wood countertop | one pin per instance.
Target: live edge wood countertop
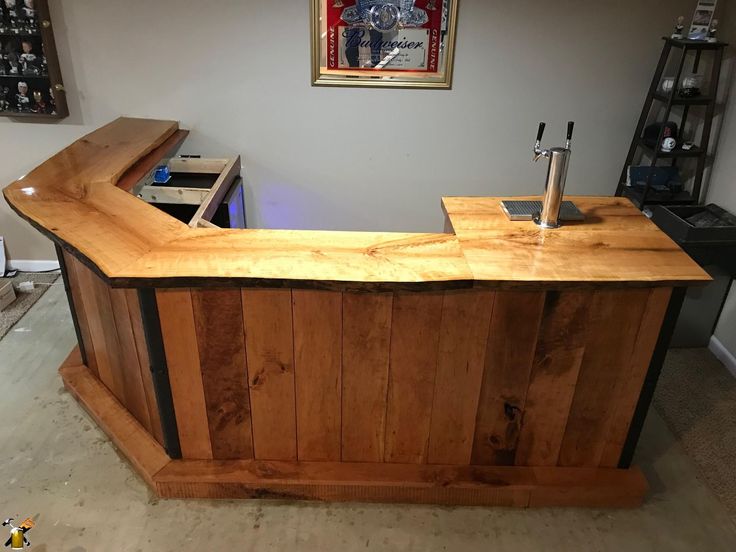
(74, 199)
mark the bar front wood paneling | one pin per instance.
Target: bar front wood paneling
(218, 319)
(607, 355)
(317, 322)
(110, 326)
(269, 349)
(81, 310)
(144, 362)
(512, 341)
(557, 359)
(179, 333)
(415, 336)
(133, 390)
(466, 316)
(366, 345)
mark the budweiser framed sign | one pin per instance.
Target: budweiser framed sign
(389, 43)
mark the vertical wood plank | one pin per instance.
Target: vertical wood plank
(103, 331)
(218, 319)
(613, 326)
(270, 354)
(365, 358)
(466, 317)
(415, 334)
(82, 316)
(633, 378)
(317, 319)
(135, 395)
(512, 340)
(182, 358)
(136, 319)
(557, 360)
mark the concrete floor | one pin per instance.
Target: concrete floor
(60, 469)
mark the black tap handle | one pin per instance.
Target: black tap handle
(540, 131)
(570, 127)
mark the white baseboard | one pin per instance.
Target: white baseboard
(32, 266)
(723, 354)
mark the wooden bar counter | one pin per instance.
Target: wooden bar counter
(494, 364)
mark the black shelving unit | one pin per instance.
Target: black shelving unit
(647, 196)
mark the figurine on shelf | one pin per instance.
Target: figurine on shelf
(4, 103)
(13, 62)
(712, 31)
(39, 105)
(51, 109)
(12, 13)
(28, 60)
(28, 10)
(29, 13)
(678, 33)
(22, 101)
(668, 144)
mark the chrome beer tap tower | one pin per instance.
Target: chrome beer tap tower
(549, 212)
(559, 158)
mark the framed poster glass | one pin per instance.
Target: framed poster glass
(389, 43)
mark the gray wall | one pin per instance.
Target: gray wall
(722, 185)
(237, 75)
(722, 182)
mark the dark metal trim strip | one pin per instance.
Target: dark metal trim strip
(160, 371)
(70, 299)
(650, 382)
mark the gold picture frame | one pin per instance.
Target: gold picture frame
(418, 52)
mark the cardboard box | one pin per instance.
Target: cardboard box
(7, 293)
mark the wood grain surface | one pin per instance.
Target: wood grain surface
(218, 320)
(179, 332)
(557, 360)
(346, 481)
(508, 363)
(144, 362)
(366, 342)
(270, 351)
(633, 375)
(604, 367)
(131, 439)
(111, 329)
(415, 336)
(75, 286)
(73, 198)
(133, 389)
(317, 319)
(509, 486)
(466, 316)
(615, 245)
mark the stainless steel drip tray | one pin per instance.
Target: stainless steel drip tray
(525, 210)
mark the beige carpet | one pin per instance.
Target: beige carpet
(696, 396)
(25, 300)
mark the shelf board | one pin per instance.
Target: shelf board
(694, 44)
(677, 152)
(21, 77)
(656, 198)
(677, 100)
(36, 34)
(36, 115)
